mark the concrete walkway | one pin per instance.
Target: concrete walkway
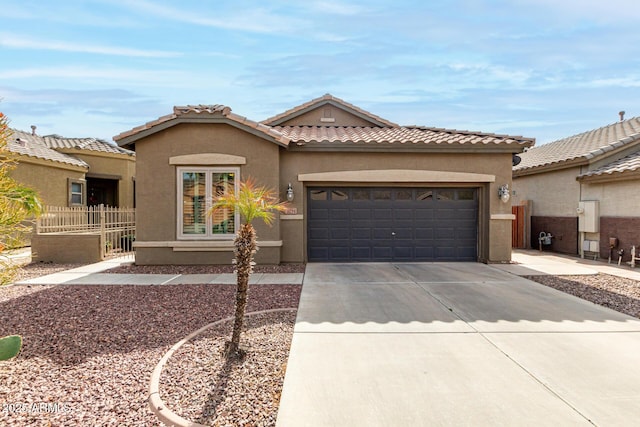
(532, 263)
(450, 344)
(92, 274)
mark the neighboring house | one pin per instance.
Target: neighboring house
(584, 190)
(74, 171)
(364, 188)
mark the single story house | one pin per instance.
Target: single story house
(584, 190)
(74, 171)
(362, 188)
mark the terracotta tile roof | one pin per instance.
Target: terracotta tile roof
(25, 144)
(629, 163)
(408, 135)
(211, 111)
(585, 146)
(91, 144)
(328, 98)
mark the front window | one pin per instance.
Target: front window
(197, 189)
(76, 192)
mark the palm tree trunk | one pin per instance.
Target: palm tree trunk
(245, 247)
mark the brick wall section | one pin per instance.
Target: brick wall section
(563, 229)
(626, 229)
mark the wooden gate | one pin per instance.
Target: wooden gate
(519, 227)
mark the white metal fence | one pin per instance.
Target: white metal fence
(116, 226)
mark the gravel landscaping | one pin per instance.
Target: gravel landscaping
(89, 350)
(614, 292)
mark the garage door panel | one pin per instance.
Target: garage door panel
(403, 233)
(385, 224)
(425, 253)
(403, 214)
(361, 233)
(339, 233)
(318, 233)
(386, 213)
(360, 214)
(445, 233)
(381, 233)
(338, 253)
(403, 253)
(467, 233)
(382, 253)
(318, 214)
(339, 214)
(425, 233)
(360, 253)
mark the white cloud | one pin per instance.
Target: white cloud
(21, 42)
(252, 19)
(80, 73)
(335, 8)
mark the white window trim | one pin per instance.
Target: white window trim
(208, 171)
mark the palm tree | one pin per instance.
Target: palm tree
(251, 202)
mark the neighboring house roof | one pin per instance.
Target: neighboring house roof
(199, 113)
(327, 99)
(630, 163)
(26, 144)
(581, 148)
(90, 144)
(382, 133)
(410, 135)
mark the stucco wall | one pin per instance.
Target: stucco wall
(618, 198)
(553, 193)
(66, 248)
(113, 165)
(156, 186)
(50, 182)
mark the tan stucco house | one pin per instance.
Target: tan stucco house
(584, 190)
(364, 188)
(74, 171)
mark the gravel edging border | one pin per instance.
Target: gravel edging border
(156, 404)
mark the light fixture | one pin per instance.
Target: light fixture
(503, 193)
(290, 194)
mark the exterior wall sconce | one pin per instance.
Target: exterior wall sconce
(503, 193)
(290, 194)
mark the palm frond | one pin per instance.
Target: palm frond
(252, 202)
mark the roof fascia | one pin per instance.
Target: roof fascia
(23, 158)
(612, 177)
(397, 148)
(131, 139)
(334, 103)
(578, 161)
(96, 153)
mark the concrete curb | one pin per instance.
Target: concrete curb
(157, 405)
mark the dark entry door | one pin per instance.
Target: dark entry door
(392, 224)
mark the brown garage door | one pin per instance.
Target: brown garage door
(392, 224)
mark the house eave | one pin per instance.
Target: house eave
(405, 148)
(578, 161)
(335, 104)
(610, 177)
(130, 140)
(21, 158)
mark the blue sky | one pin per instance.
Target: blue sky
(539, 68)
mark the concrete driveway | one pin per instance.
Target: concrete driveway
(448, 344)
